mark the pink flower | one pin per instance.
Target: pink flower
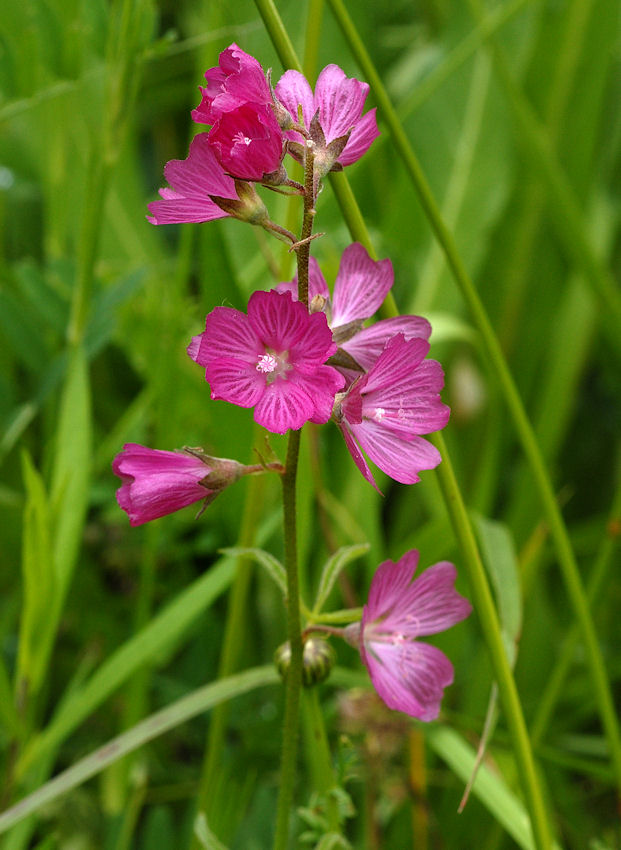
(339, 102)
(384, 412)
(237, 80)
(271, 359)
(360, 288)
(156, 483)
(195, 181)
(248, 142)
(408, 675)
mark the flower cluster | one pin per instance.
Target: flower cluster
(301, 353)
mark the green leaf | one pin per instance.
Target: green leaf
(489, 787)
(71, 471)
(206, 837)
(272, 565)
(334, 565)
(498, 553)
(163, 630)
(36, 627)
(152, 727)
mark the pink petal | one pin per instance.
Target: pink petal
(235, 381)
(395, 364)
(357, 454)
(362, 136)
(313, 346)
(388, 585)
(316, 283)
(284, 405)
(322, 386)
(340, 101)
(293, 89)
(432, 604)
(184, 210)
(398, 458)
(228, 333)
(409, 677)
(361, 285)
(367, 345)
(277, 320)
(200, 175)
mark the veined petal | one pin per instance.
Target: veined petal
(322, 385)
(367, 345)
(228, 333)
(396, 363)
(340, 101)
(357, 455)
(400, 459)
(431, 604)
(235, 381)
(200, 175)
(362, 137)
(361, 285)
(277, 320)
(293, 89)
(184, 210)
(409, 676)
(283, 405)
(390, 582)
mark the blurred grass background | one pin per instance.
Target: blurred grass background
(96, 309)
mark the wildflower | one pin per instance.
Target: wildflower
(360, 288)
(340, 132)
(248, 143)
(408, 675)
(271, 359)
(156, 483)
(203, 192)
(384, 412)
(238, 79)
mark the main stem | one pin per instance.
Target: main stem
(294, 675)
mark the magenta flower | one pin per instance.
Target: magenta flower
(360, 288)
(196, 181)
(271, 359)
(408, 675)
(384, 412)
(237, 80)
(248, 142)
(156, 483)
(339, 102)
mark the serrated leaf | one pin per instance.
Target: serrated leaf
(334, 565)
(272, 565)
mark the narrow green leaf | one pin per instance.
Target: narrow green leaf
(490, 788)
(161, 633)
(498, 555)
(71, 471)
(205, 836)
(152, 727)
(272, 565)
(334, 565)
(36, 627)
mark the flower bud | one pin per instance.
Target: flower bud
(317, 661)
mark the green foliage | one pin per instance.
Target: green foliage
(512, 110)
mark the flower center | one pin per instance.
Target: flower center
(239, 138)
(273, 365)
(267, 363)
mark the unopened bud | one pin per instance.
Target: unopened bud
(317, 661)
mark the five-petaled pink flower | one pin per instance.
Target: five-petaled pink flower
(384, 412)
(339, 102)
(157, 483)
(271, 359)
(408, 675)
(360, 288)
(195, 182)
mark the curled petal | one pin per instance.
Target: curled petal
(361, 285)
(340, 101)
